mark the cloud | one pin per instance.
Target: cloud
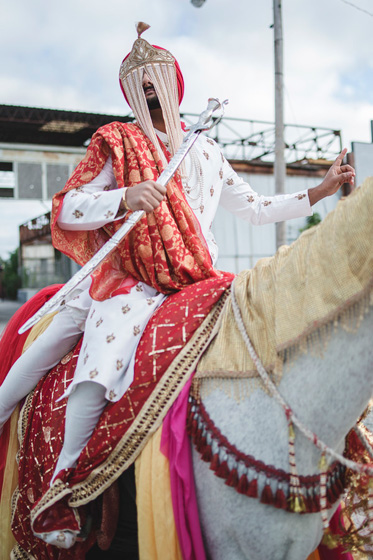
(66, 55)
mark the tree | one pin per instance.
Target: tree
(311, 221)
(11, 279)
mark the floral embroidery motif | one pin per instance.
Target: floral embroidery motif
(93, 312)
(61, 537)
(207, 156)
(150, 301)
(222, 157)
(78, 214)
(139, 288)
(93, 373)
(201, 208)
(119, 364)
(67, 358)
(230, 182)
(107, 188)
(250, 198)
(30, 495)
(109, 214)
(210, 141)
(221, 173)
(136, 330)
(85, 359)
(112, 395)
(47, 430)
(267, 202)
(74, 194)
(96, 196)
(110, 338)
(300, 196)
(99, 322)
(126, 308)
(212, 191)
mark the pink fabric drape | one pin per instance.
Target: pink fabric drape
(176, 447)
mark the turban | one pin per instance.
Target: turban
(179, 78)
(165, 74)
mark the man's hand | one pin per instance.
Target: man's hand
(145, 196)
(333, 180)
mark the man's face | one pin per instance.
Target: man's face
(150, 95)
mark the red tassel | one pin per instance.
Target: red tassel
(215, 462)
(232, 479)
(252, 490)
(267, 495)
(309, 503)
(194, 428)
(197, 437)
(189, 423)
(336, 491)
(207, 454)
(280, 500)
(316, 503)
(201, 444)
(329, 495)
(223, 470)
(339, 485)
(243, 485)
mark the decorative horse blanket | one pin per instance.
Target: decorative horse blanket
(166, 357)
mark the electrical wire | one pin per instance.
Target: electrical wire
(357, 7)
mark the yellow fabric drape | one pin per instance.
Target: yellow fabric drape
(157, 531)
(10, 480)
(314, 556)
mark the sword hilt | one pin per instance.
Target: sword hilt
(206, 120)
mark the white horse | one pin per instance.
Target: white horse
(328, 394)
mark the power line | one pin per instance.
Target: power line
(357, 8)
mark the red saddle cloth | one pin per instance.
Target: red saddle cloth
(163, 366)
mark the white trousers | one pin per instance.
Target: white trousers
(90, 391)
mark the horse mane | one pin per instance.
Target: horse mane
(291, 302)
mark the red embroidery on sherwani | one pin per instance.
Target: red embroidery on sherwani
(166, 249)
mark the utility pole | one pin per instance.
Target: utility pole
(279, 165)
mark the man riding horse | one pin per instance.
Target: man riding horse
(169, 249)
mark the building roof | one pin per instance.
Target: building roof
(30, 125)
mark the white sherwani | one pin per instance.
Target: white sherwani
(113, 327)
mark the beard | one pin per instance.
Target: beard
(153, 103)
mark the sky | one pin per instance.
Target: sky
(66, 55)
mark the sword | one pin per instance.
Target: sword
(206, 121)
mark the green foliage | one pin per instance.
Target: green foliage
(11, 281)
(311, 221)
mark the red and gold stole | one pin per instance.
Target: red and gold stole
(166, 249)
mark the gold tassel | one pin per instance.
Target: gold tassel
(329, 540)
(141, 27)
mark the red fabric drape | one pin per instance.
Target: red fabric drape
(166, 249)
(11, 345)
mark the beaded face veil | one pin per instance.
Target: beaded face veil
(159, 65)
